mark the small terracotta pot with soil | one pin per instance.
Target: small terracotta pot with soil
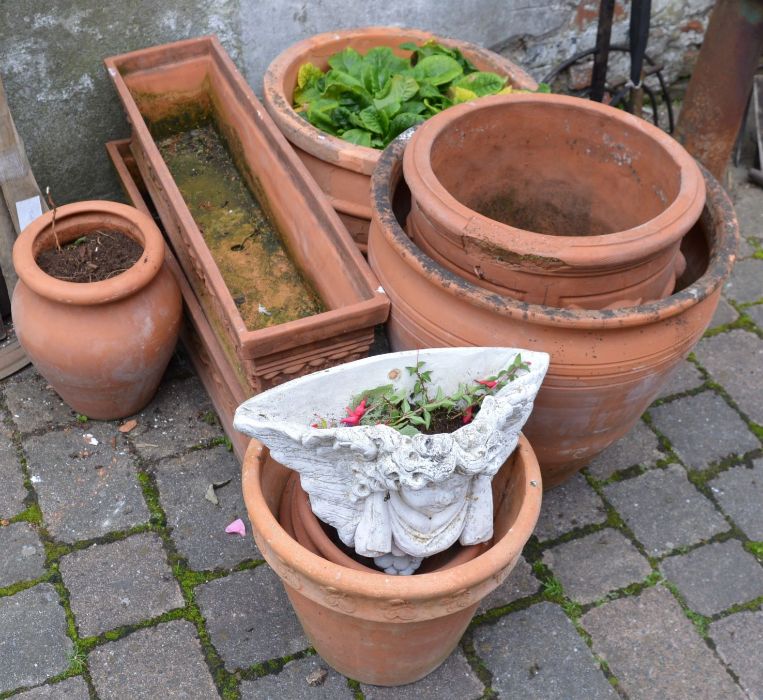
(104, 340)
(606, 366)
(380, 629)
(553, 200)
(342, 169)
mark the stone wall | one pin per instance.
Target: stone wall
(65, 108)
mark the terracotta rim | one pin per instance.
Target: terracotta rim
(74, 220)
(718, 207)
(277, 95)
(381, 586)
(619, 246)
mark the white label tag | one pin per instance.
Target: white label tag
(27, 211)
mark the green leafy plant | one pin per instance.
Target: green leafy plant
(369, 100)
(422, 409)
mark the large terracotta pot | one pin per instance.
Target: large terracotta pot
(342, 169)
(606, 366)
(173, 88)
(389, 630)
(553, 200)
(103, 346)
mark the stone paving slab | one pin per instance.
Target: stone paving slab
(165, 661)
(716, 576)
(85, 490)
(69, 689)
(664, 510)
(292, 682)
(739, 642)
(536, 654)
(739, 491)
(571, 505)
(703, 429)
(746, 281)
(33, 642)
(180, 416)
(756, 314)
(724, 313)
(249, 618)
(520, 583)
(33, 403)
(12, 493)
(684, 378)
(655, 651)
(454, 679)
(198, 525)
(22, 556)
(120, 583)
(639, 447)
(592, 566)
(735, 360)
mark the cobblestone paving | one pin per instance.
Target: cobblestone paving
(644, 578)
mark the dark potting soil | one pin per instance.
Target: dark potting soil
(97, 256)
(443, 422)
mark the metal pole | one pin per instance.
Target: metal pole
(720, 85)
(601, 57)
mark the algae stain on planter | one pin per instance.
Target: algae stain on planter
(267, 286)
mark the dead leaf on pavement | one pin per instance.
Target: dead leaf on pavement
(127, 426)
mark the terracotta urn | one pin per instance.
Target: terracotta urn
(606, 366)
(342, 169)
(392, 496)
(103, 346)
(379, 629)
(553, 200)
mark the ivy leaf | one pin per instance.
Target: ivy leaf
(348, 61)
(481, 83)
(461, 94)
(374, 120)
(308, 74)
(360, 137)
(437, 70)
(404, 120)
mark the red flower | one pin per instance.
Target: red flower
(353, 417)
(468, 414)
(489, 383)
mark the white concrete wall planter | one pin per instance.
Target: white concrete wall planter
(384, 492)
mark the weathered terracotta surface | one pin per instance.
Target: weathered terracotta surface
(343, 169)
(606, 366)
(553, 200)
(389, 630)
(103, 346)
(297, 518)
(168, 83)
(207, 355)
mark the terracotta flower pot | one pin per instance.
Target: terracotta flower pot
(606, 366)
(298, 519)
(172, 89)
(343, 169)
(103, 346)
(389, 630)
(553, 200)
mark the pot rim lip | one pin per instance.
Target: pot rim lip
(383, 586)
(124, 218)
(330, 148)
(643, 240)
(722, 256)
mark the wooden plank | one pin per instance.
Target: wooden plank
(16, 178)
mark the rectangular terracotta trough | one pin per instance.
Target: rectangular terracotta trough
(207, 356)
(170, 90)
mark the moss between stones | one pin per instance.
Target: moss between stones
(755, 548)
